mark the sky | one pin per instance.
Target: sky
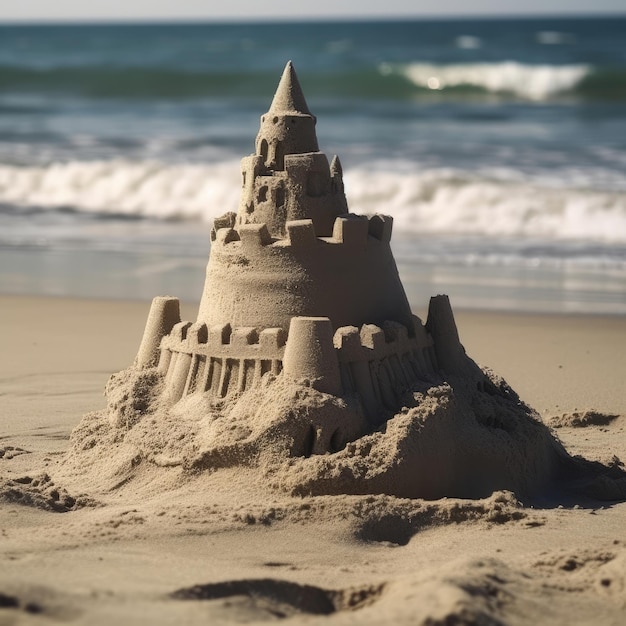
(63, 10)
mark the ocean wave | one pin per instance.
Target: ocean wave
(453, 202)
(434, 201)
(394, 81)
(535, 82)
(124, 188)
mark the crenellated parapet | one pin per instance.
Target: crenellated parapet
(371, 342)
(223, 340)
(219, 360)
(376, 363)
(381, 363)
(350, 229)
(254, 278)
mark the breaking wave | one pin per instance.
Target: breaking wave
(534, 82)
(448, 201)
(428, 201)
(124, 188)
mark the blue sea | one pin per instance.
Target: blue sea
(498, 146)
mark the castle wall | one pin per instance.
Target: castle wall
(219, 360)
(377, 364)
(380, 364)
(254, 280)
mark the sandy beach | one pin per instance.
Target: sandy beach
(220, 550)
(399, 397)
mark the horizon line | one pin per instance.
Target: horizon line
(147, 21)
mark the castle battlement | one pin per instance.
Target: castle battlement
(225, 341)
(376, 363)
(371, 342)
(349, 229)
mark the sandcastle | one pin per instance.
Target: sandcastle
(297, 284)
(306, 363)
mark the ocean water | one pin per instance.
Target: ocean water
(498, 146)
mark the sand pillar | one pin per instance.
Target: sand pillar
(164, 314)
(364, 387)
(451, 357)
(310, 354)
(175, 384)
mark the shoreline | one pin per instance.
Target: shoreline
(122, 260)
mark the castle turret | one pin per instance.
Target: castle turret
(288, 127)
(288, 178)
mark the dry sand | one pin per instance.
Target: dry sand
(222, 549)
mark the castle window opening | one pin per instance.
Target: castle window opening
(280, 196)
(279, 156)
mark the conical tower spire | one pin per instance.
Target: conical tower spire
(288, 127)
(289, 98)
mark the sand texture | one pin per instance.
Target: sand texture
(152, 523)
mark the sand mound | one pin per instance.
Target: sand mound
(466, 436)
(41, 492)
(582, 419)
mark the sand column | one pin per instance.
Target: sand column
(451, 357)
(164, 314)
(310, 354)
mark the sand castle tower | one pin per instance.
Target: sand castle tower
(296, 284)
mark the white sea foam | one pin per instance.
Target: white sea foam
(446, 201)
(427, 201)
(535, 82)
(150, 189)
